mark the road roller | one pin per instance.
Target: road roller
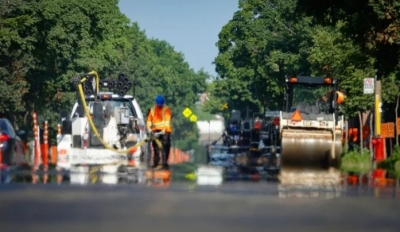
(310, 129)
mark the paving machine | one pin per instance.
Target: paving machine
(310, 129)
(253, 142)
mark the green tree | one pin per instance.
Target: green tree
(262, 43)
(15, 57)
(44, 43)
(164, 71)
(371, 24)
(346, 61)
(266, 40)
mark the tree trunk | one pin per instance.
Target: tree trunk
(26, 117)
(396, 110)
(366, 113)
(361, 133)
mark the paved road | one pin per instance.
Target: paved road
(234, 207)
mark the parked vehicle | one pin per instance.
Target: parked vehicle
(12, 147)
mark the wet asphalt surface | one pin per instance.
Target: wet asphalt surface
(235, 206)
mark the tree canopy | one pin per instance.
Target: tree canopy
(266, 40)
(43, 43)
(372, 24)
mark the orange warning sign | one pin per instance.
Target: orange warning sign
(296, 116)
(384, 130)
(398, 125)
(390, 130)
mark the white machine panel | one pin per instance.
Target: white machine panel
(121, 115)
(96, 156)
(78, 125)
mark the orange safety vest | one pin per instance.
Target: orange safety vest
(159, 119)
(257, 125)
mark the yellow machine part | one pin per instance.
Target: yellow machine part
(309, 149)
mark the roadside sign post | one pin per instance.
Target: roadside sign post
(187, 112)
(193, 118)
(373, 86)
(369, 85)
(382, 130)
(189, 115)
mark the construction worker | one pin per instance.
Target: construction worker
(257, 123)
(159, 119)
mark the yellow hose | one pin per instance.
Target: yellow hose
(93, 127)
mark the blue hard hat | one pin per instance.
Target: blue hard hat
(160, 100)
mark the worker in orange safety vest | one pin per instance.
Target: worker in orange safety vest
(257, 123)
(159, 119)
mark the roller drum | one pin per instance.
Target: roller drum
(309, 149)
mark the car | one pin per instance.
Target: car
(12, 147)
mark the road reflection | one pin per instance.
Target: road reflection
(348, 187)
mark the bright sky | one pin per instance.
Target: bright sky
(190, 26)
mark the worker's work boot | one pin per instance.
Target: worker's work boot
(156, 166)
(165, 166)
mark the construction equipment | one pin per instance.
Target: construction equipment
(233, 130)
(250, 145)
(310, 130)
(104, 128)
